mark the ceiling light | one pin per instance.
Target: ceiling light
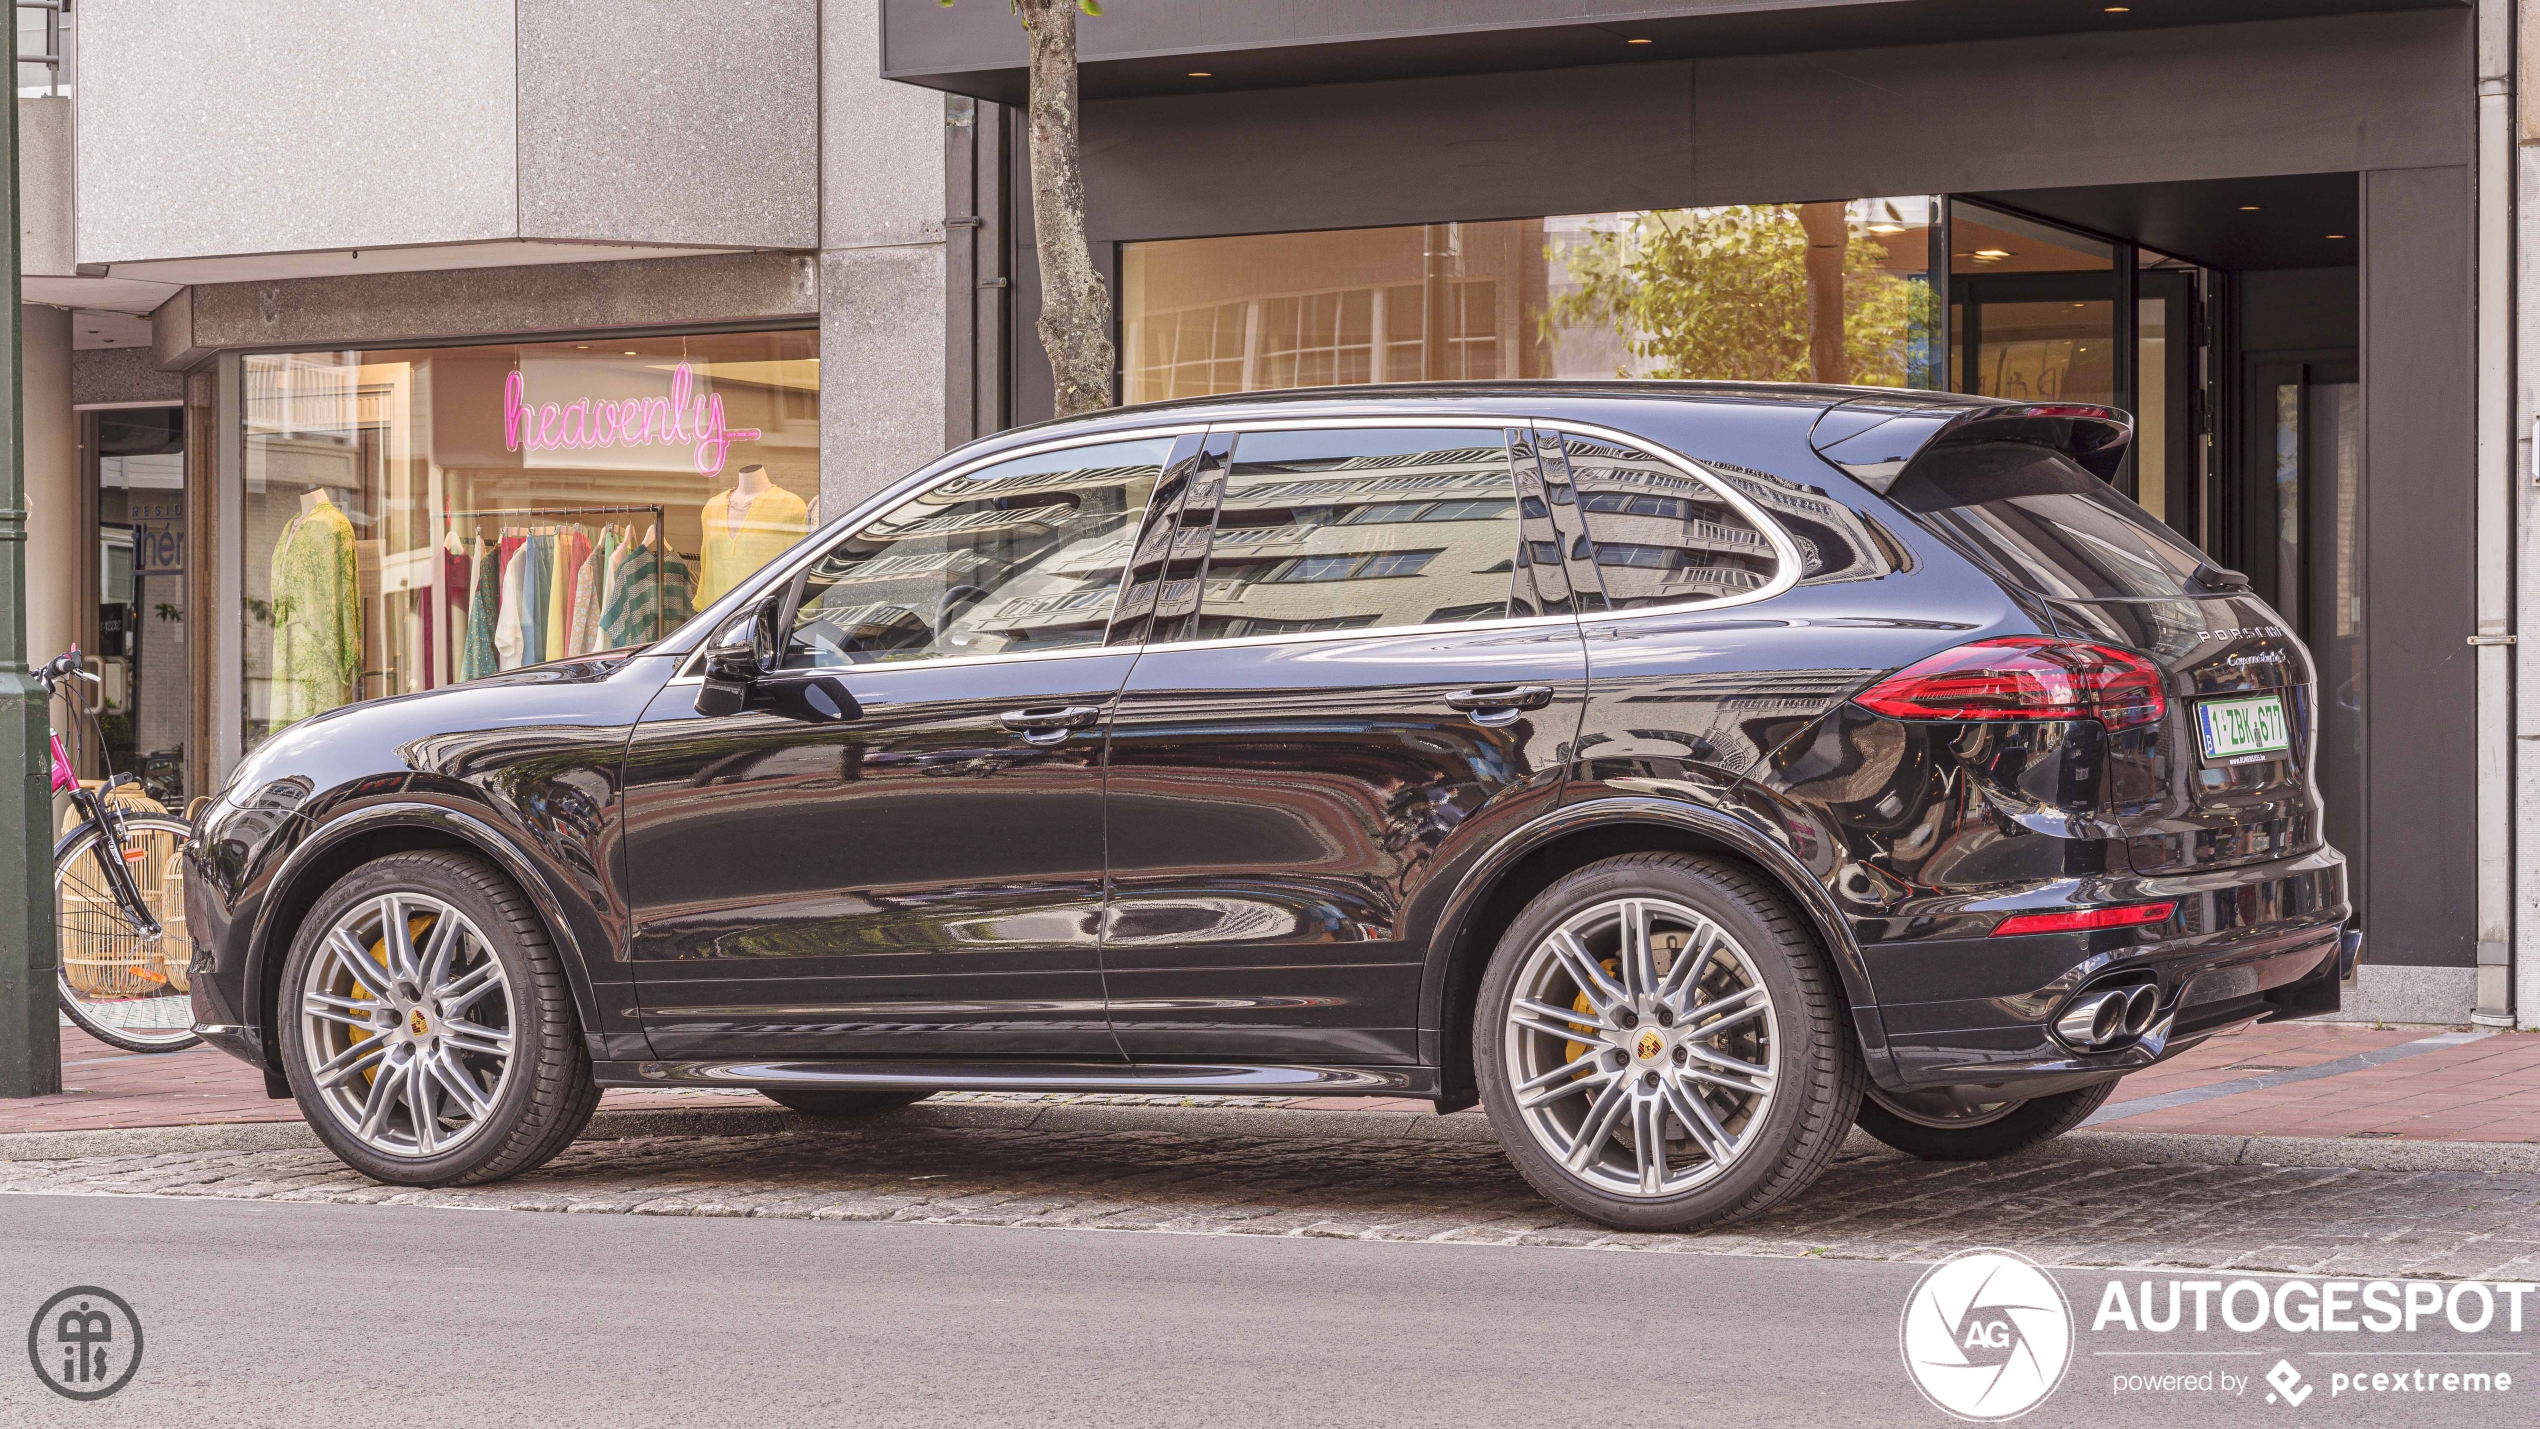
(2248, 208)
(1887, 228)
(1203, 74)
(1992, 255)
(631, 352)
(2119, 9)
(582, 347)
(2337, 235)
(1640, 42)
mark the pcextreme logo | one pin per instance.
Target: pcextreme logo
(1986, 1335)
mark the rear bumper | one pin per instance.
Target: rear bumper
(2251, 943)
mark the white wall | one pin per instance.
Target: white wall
(53, 589)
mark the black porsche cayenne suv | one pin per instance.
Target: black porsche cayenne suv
(1681, 771)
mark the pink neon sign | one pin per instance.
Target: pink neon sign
(584, 424)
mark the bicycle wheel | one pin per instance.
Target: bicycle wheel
(119, 986)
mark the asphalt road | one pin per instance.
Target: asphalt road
(266, 1313)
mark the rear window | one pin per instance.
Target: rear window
(2046, 523)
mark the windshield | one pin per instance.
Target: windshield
(2045, 522)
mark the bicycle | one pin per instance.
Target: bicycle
(118, 904)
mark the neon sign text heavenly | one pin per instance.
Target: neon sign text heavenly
(680, 419)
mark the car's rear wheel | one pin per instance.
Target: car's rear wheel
(1943, 1130)
(1660, 1044)
(811, 1103)
(426, 1027)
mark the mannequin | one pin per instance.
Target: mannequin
(313, 498)
(746, 527)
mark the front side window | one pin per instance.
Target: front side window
(1016, 558)
(1360, 528)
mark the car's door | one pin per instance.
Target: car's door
(896, 848)
(1355, 678)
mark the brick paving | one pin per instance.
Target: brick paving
(929, 1166)
(2484, 1090)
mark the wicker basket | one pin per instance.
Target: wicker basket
(100, 955)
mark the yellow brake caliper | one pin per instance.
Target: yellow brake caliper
(379, 954)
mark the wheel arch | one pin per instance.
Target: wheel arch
(326, 856)
(1528, 860)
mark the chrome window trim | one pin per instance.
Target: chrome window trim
(1785, 577)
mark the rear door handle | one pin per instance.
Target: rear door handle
(1498, 704)
(1049, 724)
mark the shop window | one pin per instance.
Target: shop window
(1346, 553)
(414, 518)
(1828, 292)
(138, 644)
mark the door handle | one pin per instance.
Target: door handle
(1494, 705)
(1049, 724)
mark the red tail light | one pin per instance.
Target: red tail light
(2024, 677)
(2083, 920)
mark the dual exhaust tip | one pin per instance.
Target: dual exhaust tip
(2097, 1021)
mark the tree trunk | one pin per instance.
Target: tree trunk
(1075, 323)
(1827, 236)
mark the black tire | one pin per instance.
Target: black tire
(1817, 1084)
(840, 1104)
(2013, 1129)
(549, 1094)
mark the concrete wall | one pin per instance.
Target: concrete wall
(653, 121)
(309, 126)
(389, 308)
(54, 590)
(44, 187)
(265, 126)
(881, 267)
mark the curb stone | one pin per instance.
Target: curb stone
(2115, 1148)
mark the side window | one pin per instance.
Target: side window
(1359, 528)
(1657, 536)
(1022, 556)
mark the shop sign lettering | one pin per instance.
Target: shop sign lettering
(586, 424)
(158, 548)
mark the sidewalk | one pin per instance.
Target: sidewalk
(2299, 1079)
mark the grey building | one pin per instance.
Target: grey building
(2279, 231)
(339, 316)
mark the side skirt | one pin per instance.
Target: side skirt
(1159, 1077)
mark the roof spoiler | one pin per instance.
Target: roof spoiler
(1874, 439)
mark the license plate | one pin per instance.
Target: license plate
(2243, 731)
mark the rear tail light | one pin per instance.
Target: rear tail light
(2024, 677)
(2084, 920)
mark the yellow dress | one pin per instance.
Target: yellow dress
(738, 543)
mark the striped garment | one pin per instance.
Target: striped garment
(651, 598)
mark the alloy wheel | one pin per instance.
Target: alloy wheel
(1642, 1047)
(408, 1022)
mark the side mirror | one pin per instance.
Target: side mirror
(737, 658)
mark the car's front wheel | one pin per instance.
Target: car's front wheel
(426, 1027)
(1660, 1044)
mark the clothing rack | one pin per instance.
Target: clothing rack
(660, 526)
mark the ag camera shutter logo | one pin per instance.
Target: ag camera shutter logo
(1986, 1335)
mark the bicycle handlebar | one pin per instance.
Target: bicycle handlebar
(61, 668)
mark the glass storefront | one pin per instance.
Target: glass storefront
(139, 645)
(1827, 292)
(414, 518)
